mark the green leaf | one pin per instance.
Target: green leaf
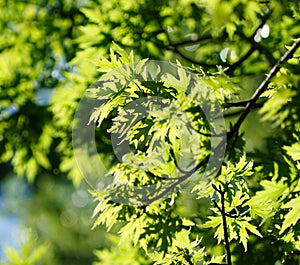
(230, 28)
(243, 236)
(264, 202)
(132, 231)
(108, 215)
(213, 222)
(38, 253)
(93, 15)
(293, 216)
(103, 111)
(252, 229)
(293, 151)
(32, 169)
(12, 255)
(274, 109)
(187, 222)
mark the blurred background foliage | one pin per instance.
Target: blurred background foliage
(47, 50)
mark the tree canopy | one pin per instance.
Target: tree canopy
(181, 116)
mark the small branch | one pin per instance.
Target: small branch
(231, 114)
(224, 222)
(237, 64)
(262, 49)
(174, 47)
(193, 61)
(252, 49)
(212, 135)
(226, 214)
(262, 87)
(179, 180)
(242, 104)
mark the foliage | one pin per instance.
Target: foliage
(174, 135)
(36, 42)
(164, 144)
(115, 255)
(30, 253)
(56, 214)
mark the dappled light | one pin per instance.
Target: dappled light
(149, 132)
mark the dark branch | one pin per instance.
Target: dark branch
(262, 87)
(179, 180)
(262, 49)
(226, 214)
(253, 47)
(193, 61)
(224, 222)
(236, 65)
(242, 104)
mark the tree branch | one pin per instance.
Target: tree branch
(253, 47)
(241, 104)
(262, 87)
(224, 223)
(193, 61)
